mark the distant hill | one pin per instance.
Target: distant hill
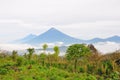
(111, 39)
(53, 35)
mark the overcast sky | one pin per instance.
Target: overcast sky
(83, 19)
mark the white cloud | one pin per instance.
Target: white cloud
(103, 47)
(107, 47)
(10, 47)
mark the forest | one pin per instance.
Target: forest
(81, 62)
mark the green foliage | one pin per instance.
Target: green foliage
(115, 75)
(81, 70)
(45, 46)
(56, 50)
(76, 51)
(14, 55)
(90, 68)
(31, 51)
(3, 71)
(108, 66)
(20, 61)
(42, 58)
(51, 67)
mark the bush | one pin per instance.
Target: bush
(115, 75)
(20, 61)
(81, 70)
(99, 71)
(3, 71)
(90, 68)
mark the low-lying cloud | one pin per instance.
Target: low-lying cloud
(103, 47)
(106, 47)
(11, 47)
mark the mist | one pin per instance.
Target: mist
(103, 47)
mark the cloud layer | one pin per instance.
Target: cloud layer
(103, 47)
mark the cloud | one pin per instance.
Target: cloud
(103, 47)
(10, 47)
(107, 47)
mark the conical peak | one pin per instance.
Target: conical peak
(52, 28)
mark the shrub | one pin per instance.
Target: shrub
(115, 75)
(3, 71)
(81, 70)
(90, 68)
(20, 61)
(99, 71)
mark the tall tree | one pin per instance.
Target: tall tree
(14, 55)
(43, 57)
(56, 50)
(45, 46)
(31, 51)
(75, 52)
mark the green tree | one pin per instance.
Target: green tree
(14, 55)
(20, 61)
(42, 57)
(56, 50)
(45, 46)
(31, 51)
(76, 51)
(25, 55)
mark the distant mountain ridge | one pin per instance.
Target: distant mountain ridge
(111, 39)
(53, 35)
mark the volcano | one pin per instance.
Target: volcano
(52, 36)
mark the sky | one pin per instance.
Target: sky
(83, 19)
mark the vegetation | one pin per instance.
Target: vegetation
(14, 55)
(31, 51)
(81, 62)
(45, 46)
(56, 50)
(76, 52)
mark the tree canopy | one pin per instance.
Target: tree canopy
(76, 51)
(56, 50)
